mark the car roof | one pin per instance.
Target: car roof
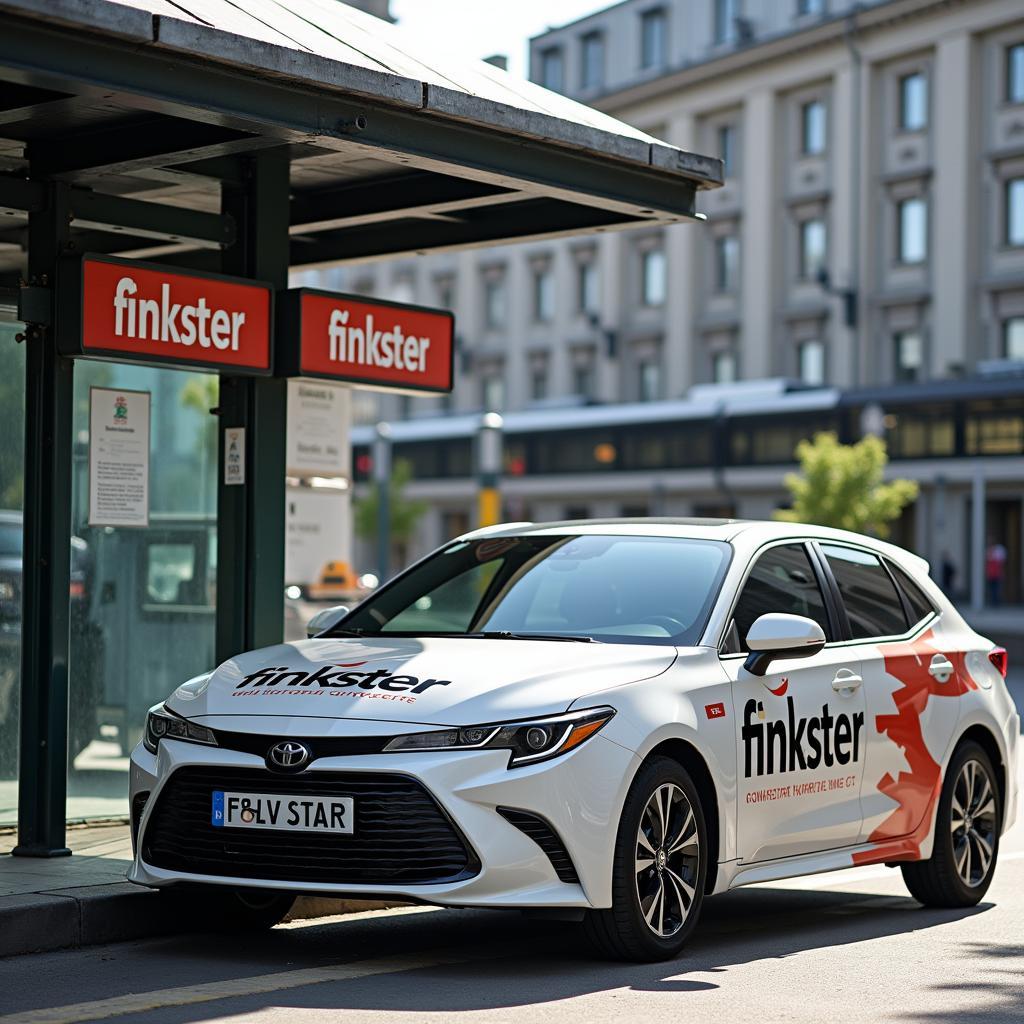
(752, 531)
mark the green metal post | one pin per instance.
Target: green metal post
(251, 516)
(42, 777)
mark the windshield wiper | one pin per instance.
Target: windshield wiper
(506, 634)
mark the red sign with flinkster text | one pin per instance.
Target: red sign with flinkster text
(378, 344)
(147, 313)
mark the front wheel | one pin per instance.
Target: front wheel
(661, 852)
(967, 823)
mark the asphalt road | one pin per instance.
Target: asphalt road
(845, 946)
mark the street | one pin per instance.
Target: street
(811, 949)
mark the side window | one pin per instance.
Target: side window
(782, 580)
(920, 606)
(872, 602)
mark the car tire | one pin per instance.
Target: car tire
(237, 910)
(967, 825)
(654, 909)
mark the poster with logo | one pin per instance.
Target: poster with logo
(318, 421)
(118, 457)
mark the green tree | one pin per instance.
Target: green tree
(404, 513)
(841, 485)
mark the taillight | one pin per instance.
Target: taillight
(999, 658)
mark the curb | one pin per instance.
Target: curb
(97, 914)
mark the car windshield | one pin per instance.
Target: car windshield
(614, 589)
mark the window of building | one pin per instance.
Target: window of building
(727, 148)
(583, 379)
(492, 392)
(782, 580)
(1015, 73)
(592, 60)
(653, 38)
(543, 295)
(1013, 338)
(538, 384)
(812, 248)
(648, 381)
(586, 286)
(812, 128)
(727, 263)
(723, 367)
(810, 357)
(652, 277)
(446, 293)
(1015, 211)
(908, 347)
(494, 302)
(872, 602)
(810, 7)
(725, 20)
(913, 102)
(912, 230)
(552, 68)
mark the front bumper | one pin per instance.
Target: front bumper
(580, 795)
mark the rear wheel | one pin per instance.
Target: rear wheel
(659, 869)
(236, 910)
(967, 822)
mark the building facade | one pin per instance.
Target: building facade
(868, 244)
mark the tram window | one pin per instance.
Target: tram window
(171, 577)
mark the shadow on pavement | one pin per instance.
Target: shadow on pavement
(513, 962)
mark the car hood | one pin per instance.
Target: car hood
(430, 681)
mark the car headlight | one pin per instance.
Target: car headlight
(530, 741)
(163, 724)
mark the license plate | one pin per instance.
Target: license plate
(284, 812)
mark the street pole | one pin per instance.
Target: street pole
(382, 477)
(489, 458)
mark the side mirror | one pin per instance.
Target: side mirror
(777, 635)
(325, 620)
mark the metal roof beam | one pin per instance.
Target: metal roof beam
(121, 149)
(409, 195)
(537, 218)
(151, 220)
(20, 103)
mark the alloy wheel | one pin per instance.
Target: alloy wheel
(973, 823)
(667, 860)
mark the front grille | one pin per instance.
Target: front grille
(401, 833)
(320, 746)
(546, 838)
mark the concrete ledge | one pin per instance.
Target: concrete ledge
(97, 914)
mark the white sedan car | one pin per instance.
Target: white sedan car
(601, 720)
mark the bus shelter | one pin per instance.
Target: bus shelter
(200, 146)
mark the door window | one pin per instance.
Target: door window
(873, 605)
(782, 580)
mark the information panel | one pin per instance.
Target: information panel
(118, 457)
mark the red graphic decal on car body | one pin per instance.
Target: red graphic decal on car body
(780, 690)
(715, 710)
(900, 835)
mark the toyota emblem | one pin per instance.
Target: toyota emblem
(289, 755)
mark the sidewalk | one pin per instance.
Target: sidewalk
(84, 900)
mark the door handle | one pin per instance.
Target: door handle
(941, 668)
(846, 681)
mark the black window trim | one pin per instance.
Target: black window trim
(831, 608)
(908, 608)
(909, 633)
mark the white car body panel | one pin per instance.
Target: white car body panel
(688, 702)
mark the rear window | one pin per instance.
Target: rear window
(920, 606)
(872, 602)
